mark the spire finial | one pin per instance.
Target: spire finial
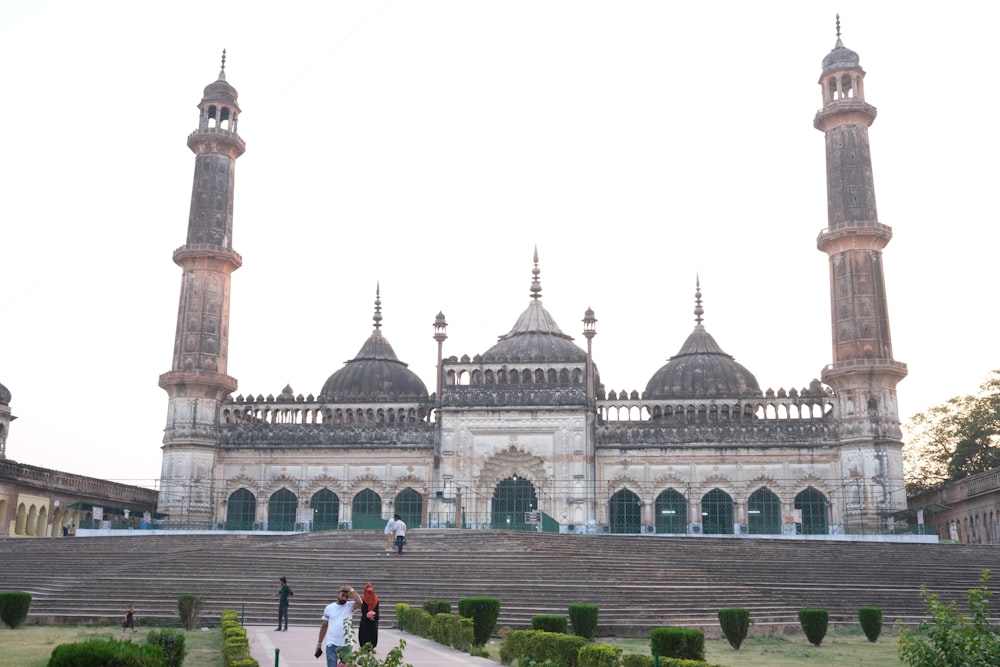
(698, 310)
(536, 286)
(838, 26)
(223, 60)
(378, 306)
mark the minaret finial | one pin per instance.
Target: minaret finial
(838, 26)
(536, 286)
(223, 60)
(378, 306)
(698, 310)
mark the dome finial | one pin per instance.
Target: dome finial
(223, 60)
(378, 306)
(536, 286)
(698, 310)
(839, 43)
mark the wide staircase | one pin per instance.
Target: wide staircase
(638, 582)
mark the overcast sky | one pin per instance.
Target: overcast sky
(430, 146)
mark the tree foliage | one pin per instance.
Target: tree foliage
(950, 638)
(954, 440)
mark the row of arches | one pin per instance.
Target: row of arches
(764, 515)
(297, 415)
(978, 528)
(514, 376)
(322, 511)
(713, 412)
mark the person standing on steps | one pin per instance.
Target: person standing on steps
(283, 594)
(368, 627)
(390, 534)
(332, 635)
(400, 534)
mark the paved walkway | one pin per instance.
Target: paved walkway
(296, 647)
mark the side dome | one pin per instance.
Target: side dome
(4, 395)
(535, 336)
(374, 375)
(701, 369)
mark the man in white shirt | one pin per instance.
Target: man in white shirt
(400, 534)
(332, 634)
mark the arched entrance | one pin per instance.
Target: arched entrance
(325, 510)
(409, 505)
(763, 513)
(624, 512)
(241, 509)
(512, 498)
(717, 513)
(814, 506)
(671, 512)
(281, 509)
(366, 510)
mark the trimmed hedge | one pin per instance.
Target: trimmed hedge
(673, 642)
(814, 622)
(514, 645)
(235, 645)
(735, 622)
(583, 618)
(107, 653)
(562, 649)
(484, 612)
(171, 643)
(435, 607)
(14, 607)
(401, 609)
(870, 619)
(549, 623)
(636, 660)
(599, 655)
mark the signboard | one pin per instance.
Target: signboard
(533, 517)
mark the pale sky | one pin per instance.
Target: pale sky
(430, 146)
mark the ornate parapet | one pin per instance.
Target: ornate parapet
(416, 434)
(474, 397)
(752, 434)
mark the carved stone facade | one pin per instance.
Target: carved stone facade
(525, 432)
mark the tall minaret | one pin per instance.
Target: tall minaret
(863, 374)
(5, 419)
(198, 381)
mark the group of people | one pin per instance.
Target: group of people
(395, 534)
(334, 637)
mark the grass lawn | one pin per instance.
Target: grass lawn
(31, 645)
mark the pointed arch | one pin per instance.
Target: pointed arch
(671, 512)
(512, 498)
(624, 512)
(409, 505)
(763, 512)
(814, 505)
(717, 513)
(281, 510)
(366, 509)
(325, 505)
(241, 510)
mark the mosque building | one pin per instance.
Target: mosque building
(523, 433)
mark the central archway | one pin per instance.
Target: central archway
(512, 498)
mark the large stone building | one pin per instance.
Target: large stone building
(523, 430)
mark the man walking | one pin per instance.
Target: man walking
(400, 534)
(332, 633)
(283, 594)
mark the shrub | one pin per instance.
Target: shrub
(189, 609)
(418, 622)
(484, 612)
(814, 622)
(444, 628)
(673, 642)
(479, 652)
(735, 622)
(14, 607)
(466, 635)
(172, 645)
(434, 607)
(401, 609)
(561, 649)
(549, 623)
(636, 660)
(870, 619)
(599, 655)
(583, 617)
(949, 637)
(106, 653)
(514, 644)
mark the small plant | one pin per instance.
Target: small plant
(104, 652)
(599, 655)
(172, 645)
(14, 607)
(671, 642)
(435, 607)
(870, 619)
(636, 660)
(189, 609)
(814, 623)
(735, 622)
(583, 618)
(549, 623)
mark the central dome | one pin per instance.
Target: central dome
(535, 336)
(374, 375)
(701, 370)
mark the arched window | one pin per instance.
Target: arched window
(512, 498)
(241, 510)
(624, 512)
(366, 510)
(717, 513)
(814, 505)
(671, 512)
(325, 506)
(281, 509)
(763, 513)
(409, 505)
